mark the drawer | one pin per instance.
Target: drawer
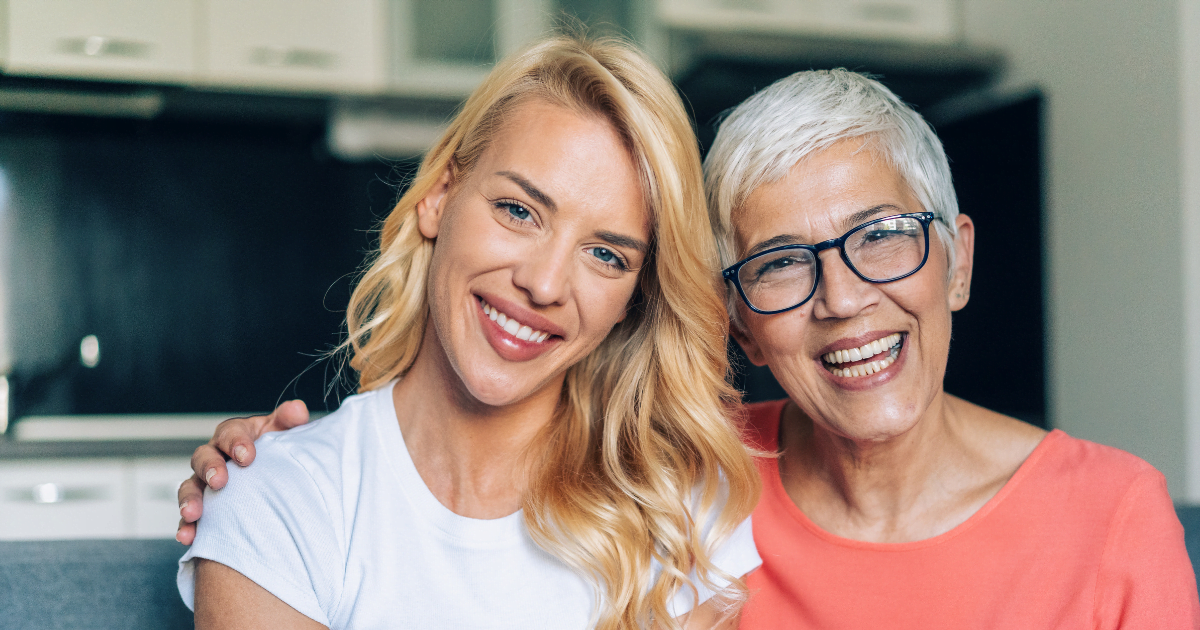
(155, 498)
(60, 499)
(147, 40)
(295, 45)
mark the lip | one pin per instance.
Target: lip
(506, 345)
(861, 383)
(523, 314)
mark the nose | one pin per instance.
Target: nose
(841, 294)
(544, 273)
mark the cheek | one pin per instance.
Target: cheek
(781, 338)
(602, 304)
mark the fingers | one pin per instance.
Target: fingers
(191, 499)
(209, 465)
(186, 533)
(292, 413)
(235, 437)
(191, 504)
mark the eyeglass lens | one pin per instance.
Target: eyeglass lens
(879, 251)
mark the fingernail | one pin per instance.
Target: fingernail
(239, 453)
(208, 475)
(183, 505)
(177, 539)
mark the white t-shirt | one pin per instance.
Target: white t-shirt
(333, 519)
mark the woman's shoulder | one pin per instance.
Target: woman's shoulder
(1084, 482)
(1084, 460)
(329, 440)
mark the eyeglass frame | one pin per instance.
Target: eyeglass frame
(731, 273)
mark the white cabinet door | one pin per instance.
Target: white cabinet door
(929, 21)
(295, 45)
(59, 499)
(758, 15)
(155, 502)
(924, 20)
(144, 40)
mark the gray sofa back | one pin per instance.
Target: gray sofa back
(130, 584)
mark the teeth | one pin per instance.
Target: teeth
(512, 326)
(866, 369)
(879, 346)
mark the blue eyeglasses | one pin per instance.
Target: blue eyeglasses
(881, 250)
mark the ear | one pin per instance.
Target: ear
(429, 209)
(746, 341)
(964, 254)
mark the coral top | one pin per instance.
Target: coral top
(1082, 536)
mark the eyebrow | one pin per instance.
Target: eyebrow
(860, 217)
(530, 190)
(856, 219)
(620, 240)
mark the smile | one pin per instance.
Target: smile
(859, 357)
(512, 326)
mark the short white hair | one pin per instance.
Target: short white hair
(797, 116)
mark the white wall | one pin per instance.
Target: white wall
(1110, 70)
(1190, 108)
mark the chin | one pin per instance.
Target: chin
(870, 425)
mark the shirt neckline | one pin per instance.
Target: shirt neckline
(773, 485)
(471, 532)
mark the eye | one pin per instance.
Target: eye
(879, 235)
(607, 256)
(515, 211)
(777, 264)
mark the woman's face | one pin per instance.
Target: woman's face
(822, 198)
(537, 251)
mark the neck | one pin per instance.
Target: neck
(888, 490)
(475, 458)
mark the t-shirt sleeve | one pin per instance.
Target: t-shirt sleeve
(736, 556)
(1146, 579)
(271, 524)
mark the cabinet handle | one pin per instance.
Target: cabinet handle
(282, 56)
(100, 46)
(47, 493)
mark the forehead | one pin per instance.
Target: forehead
(823, 196)
(578, 160)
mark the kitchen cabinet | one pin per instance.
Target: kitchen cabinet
(139, 40)
(920, 21)
(294, 45)
(57, 499)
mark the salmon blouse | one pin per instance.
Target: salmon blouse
(1081, 536)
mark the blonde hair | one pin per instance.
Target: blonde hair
(641, 455)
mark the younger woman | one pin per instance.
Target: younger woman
(539, 440)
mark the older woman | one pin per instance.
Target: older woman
(892, 503)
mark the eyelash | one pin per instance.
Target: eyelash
(618, 262)
(506, 206)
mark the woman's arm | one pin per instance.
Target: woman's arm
(714, 615)
(228, 599)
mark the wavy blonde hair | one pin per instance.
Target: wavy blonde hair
(641, 452)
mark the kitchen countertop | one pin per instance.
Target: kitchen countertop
(79, 436)
(15, 449)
